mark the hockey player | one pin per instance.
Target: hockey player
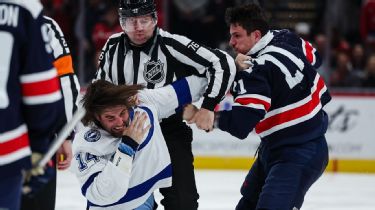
(281, 95)
(30, 97)
(39, 192)
(145, 54)
(117, 165)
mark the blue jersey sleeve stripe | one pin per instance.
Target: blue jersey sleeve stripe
(151, 131)
(141, 189)
(181, 87)
(88, 183)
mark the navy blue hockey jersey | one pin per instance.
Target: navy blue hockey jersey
(281, 94)
(30, 98)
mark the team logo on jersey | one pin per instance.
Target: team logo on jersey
(92, 135)
(154, 71)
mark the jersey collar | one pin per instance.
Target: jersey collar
(262, 43)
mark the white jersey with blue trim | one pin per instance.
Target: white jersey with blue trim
(106, 186)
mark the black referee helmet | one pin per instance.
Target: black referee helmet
(132, 8)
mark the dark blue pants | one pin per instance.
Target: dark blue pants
(281, 176)
(10, 192)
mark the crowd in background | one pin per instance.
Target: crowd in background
(348, 49)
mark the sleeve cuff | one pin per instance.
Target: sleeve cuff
(130, 142)
(209, 103)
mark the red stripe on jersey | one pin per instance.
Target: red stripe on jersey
(217, 108)
(41, 87)
(292, 114)
(246, 101)
(309, 52)
(14, 144)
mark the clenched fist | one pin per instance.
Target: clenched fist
(242, 61)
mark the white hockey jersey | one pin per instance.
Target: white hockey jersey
(106, 186)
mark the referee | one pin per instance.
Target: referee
(145, 54)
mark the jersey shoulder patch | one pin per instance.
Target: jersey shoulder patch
(92, 135)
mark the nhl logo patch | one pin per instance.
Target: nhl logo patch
(92, 135)
(154, 71)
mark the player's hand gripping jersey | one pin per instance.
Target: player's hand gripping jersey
(104, 184)
(287, 93)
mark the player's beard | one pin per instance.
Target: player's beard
(119, 132)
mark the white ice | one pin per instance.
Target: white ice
(219, 190)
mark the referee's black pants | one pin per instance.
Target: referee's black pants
(183, 194)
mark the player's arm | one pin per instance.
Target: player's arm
(43, 105)
(251, 102)
(215, 64)
(171, 98)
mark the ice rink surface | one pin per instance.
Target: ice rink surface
(219, 190)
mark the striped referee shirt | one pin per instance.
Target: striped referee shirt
(63, 63)
(163, 59)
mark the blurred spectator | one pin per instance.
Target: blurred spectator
(319, 23)
(369, 78)
(241, 2)
(343, 75)
(367, 22)
(343, 46)
(320, 43)
(344, 15)
(213, 23)
(108, 25)
(159, 9)
(187, 19)
(95, 9)
(201, 20)
(358, 58)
